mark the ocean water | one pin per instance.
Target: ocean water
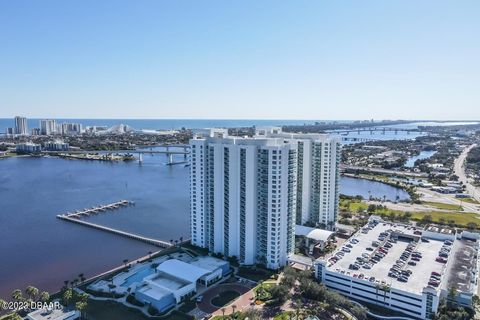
(162, 124)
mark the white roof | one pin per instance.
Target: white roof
(154, 292)
(182, 270)
(53, 314)
(313, 233)
(208, 263)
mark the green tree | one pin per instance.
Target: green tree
(81, 306)
(280, 293)
(472, 226)
(67, 296)
(44, 296)
(32, 293)
(426, 219)
(253, 314)
(17, 295)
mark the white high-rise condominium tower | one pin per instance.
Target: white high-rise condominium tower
(243, 196)
(47, 127)
(318, 175)
(21, 125)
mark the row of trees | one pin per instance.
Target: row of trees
(29, 295)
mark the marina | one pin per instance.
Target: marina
(98, 209)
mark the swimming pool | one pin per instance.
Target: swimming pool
(138, 276)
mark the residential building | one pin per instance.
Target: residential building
(243, 196)
(318, 175)
(10, 131)
(56, 146)
(71, 129)
(48, 127)
(21, 127)
(35, 132)
(28, 147)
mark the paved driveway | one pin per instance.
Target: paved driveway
(244, 300)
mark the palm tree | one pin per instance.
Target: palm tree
(149, 254)
(31, 292)
(65, 283)
(81, 306)
(181, 240)
(233, 309)
(3, 304)
(67, 295)
(223, 312)
(44, 296)
(17, 295)
(125, 261)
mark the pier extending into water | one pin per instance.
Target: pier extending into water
(155, 242)
(98, 209)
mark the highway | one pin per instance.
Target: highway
(460, 172)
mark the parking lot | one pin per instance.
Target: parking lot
(462, 267)
(387, 244)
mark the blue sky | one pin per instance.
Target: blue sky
(240, 59)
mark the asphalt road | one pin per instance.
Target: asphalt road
(460, 172)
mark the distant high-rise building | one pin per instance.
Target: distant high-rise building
(243, 197)
(48, 127)
(71, 129)
(10, 131)
(35, 132)
(21, 126)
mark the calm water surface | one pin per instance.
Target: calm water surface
(36, 248)
(366, 188)
(422, 155)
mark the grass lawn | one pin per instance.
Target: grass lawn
(225, 298)
(459, 217)
(444, 206)
(262, 291)
(469, 200)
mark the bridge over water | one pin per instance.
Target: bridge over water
(169, 150)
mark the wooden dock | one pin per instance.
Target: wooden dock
(98, 209)
(155, 242)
